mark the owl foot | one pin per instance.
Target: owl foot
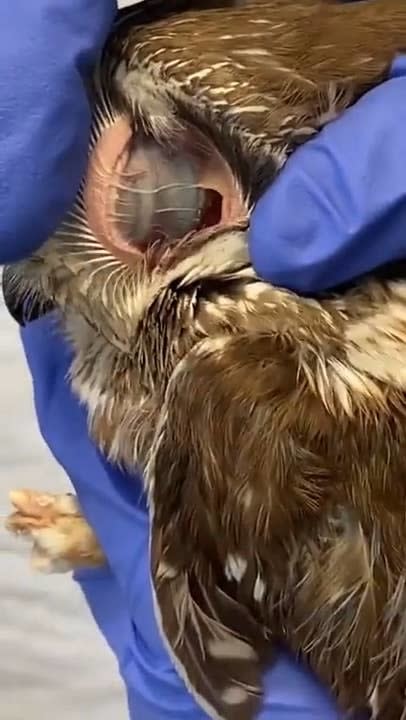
(62, 539)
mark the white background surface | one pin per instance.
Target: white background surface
(54, 665)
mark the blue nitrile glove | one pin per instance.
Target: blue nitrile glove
(47, 52)
(348, 191)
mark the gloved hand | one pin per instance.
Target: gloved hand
(47, 51)
(348, 191)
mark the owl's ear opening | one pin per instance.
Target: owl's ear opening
(141, 198)
(214, 643)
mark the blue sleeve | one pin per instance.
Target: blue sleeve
(120, 597)
(47, 50)
(348, 188)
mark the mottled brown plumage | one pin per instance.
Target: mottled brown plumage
(271, 429)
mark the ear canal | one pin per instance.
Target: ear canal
(142, 199)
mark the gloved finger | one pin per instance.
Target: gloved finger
(293, 693)
(47, 50)
(338, 209)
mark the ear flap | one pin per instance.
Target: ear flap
(214, 643)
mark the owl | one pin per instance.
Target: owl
(269, 428)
